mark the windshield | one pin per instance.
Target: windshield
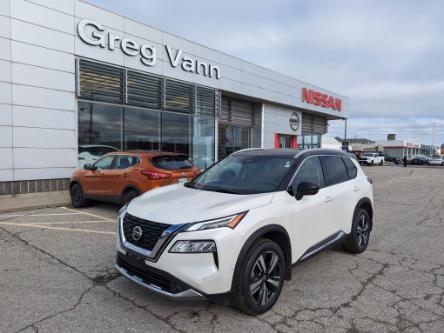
(245, 175)
(368, 155)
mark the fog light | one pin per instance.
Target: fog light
(194, 246)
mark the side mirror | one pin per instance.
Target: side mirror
(305, 188)
(89, 166)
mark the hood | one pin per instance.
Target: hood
(176, 204)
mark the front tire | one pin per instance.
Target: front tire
(261, 278)
(359, 237)
(78, 200)
(381, 163)
(129, 195)
(372, 163)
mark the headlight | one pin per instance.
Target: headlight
(229, 221)
(193, 246)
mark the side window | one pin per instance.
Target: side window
(104, 163)
(310, 171)
(124, 161)
(334, 170)
(351, 168)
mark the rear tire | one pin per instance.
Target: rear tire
(359, 237)
(129, 195)
(78, 200)
(261, 278)
(381, 163)
(372, 163)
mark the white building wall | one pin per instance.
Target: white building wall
(6, 130)
(276, 120)
(38, 111)
(38, 107)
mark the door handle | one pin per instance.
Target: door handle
(328, 199)
(356, 188)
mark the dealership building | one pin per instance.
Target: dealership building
(76, 78)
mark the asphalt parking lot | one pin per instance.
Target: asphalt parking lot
(57, 275)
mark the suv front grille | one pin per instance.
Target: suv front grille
(151, 231)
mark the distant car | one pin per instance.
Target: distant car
(88, 154)
(371, 159)
(121, 176)
(392, 159)
(420, 160)
(437, 161)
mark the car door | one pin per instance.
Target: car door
(343, 191)
(94, 183)
(312, 215)
(122, 174)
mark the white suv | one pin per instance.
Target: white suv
(234, 232)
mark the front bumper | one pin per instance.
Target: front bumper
(156, 281)
(190, 275)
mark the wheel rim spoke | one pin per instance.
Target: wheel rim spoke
(261, 264)
(264, 296)
(255, 287)
(273, 261)
(273, 281)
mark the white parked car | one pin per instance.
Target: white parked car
(235, 231)
(371, 159)
(436, 161)
(88, 154)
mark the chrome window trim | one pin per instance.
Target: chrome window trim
(322, 155)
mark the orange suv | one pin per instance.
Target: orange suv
(121, 176)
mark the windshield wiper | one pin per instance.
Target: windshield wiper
(189, 185)
(219, 189)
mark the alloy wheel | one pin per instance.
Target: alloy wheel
(363, 231)
(265, 278)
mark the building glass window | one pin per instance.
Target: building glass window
(203, 141)
(176, 133)
(232, 138)
(100, 125)
(309, 140)
(141, 129)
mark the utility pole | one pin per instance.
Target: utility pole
(433, 140)
(345, 130)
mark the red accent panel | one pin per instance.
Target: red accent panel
(294, 141)
(276, 140)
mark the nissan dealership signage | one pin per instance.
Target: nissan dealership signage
(321, 99)
(93, 33)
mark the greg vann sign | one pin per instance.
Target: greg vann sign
(93, 33)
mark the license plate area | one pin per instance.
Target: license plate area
(182, 180)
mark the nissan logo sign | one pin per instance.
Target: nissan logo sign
(294, 121)
(137, 233)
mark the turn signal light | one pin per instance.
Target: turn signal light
(155, 175)
(370, 180)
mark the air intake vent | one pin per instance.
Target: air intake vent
(206, 101)
(179, 96)
(144, 90)
(101, 82)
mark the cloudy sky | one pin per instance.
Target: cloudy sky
(386, 55)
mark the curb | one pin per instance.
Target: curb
(25, 208)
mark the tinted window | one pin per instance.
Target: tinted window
(334, 170)
(310, 172)
(171, 162)
(124, 162)
(104, 163)
(245, 174)
(351, 168)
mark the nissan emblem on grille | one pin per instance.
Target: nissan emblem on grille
(137, 233)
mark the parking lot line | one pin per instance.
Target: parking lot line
(86, 213)
(57, 228)
(68, 222)
(39, 215)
